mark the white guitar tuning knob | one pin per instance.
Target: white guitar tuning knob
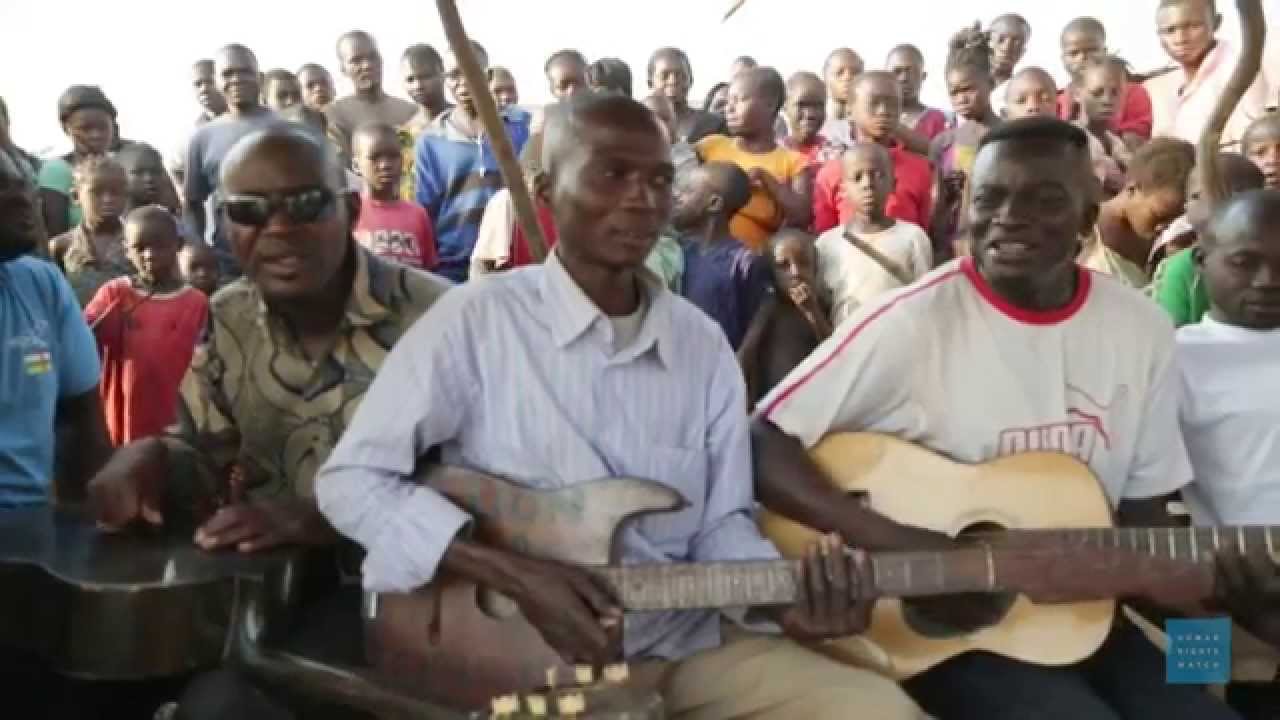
(571, 704)
(505, 705)
(537, 705)
(585, 674)
(616, 674)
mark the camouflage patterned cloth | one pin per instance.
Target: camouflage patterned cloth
(254, 403)
(87, 269)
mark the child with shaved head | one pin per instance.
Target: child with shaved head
(806, 113)
(389, 227)
(146, 325)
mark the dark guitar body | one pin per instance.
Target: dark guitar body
(118, 607)
(482, 647)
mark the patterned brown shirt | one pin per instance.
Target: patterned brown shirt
(253, 401)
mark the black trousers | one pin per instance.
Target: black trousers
(1124, 680)
(32, 691)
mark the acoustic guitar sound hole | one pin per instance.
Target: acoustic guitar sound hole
(941, 617)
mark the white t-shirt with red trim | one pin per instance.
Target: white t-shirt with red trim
(948, 364)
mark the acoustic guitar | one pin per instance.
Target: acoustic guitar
(1049, 501)
(460, 645)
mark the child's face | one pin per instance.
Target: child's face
(283, 93)
(423, 80)
(867, 180)
(671, 78)
(566, 77)
(1186, 30)
(1150, 211)
(146, 177)
(103, 194)
(152, 247)
(1262, 147)
(748, 111)
(380, 162)
(1078, 48)
(317, 88)
(793, 263)
(806, 110)
(909, 69)
(1008, 44)
(970, 94)
(504, 90)
(876, 106)
(91, 131)
(1030, 95)
(1101, 89)
(200, 268)
(840, 72)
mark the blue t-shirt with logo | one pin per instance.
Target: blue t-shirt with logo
(46, 353)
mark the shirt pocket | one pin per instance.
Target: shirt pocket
(683, 470)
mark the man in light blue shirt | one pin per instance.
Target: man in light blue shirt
(581, 368)
(48, 360)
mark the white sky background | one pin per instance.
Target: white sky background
(140, 51)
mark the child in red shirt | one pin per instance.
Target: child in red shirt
(1083, 40)
(920, 123)
(806, 112)
(389, 227)
(147, 327)
(875, 106)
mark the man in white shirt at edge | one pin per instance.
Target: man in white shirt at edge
(1013, 349)
(617, 377)
(1230, 368)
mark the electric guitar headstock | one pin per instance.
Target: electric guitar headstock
(611, 695)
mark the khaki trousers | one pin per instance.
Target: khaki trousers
(765, 677)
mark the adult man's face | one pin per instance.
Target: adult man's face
(238, 78)
(317, 88)
(21, 229)
(361, 63)
(288, 258)
(1241, 262)
(1030, 202)
(671, 78)
(456, 81)
(611, 194)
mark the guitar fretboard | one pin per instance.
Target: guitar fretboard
(773, 582)
(1190, 544)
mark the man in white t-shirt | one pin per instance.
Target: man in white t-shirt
(1013, 349)
(846, 271)
(1230, 367)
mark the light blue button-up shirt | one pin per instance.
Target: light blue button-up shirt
(517, 377)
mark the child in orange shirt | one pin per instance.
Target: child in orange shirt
(147, 327)
(781, 185)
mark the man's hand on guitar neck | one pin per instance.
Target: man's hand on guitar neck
(835, 588)
(573, 610)
(253, 526)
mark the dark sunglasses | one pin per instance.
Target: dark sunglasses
(306, 205)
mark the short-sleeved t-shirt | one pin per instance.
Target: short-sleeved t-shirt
(1180, 290)
(854, 278)
(728, 281)
(1231, 420)
(761, 217)
(46, 353)
(399, 231)
(949, 364)
(57, 174)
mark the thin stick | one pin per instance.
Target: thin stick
(1253, 32)
(881, 259)
(478, 85)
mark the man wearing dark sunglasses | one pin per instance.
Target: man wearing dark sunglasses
(291, 348)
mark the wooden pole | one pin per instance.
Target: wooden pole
(1253, 33)
(508, 163)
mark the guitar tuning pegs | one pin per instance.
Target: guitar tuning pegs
(585, 674)
(571, 704)
(551, 676)
(537, 705)
(505, 706)
(616, 674)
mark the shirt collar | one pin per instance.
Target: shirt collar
(444, 126)
(571, 314)
(364, 308)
